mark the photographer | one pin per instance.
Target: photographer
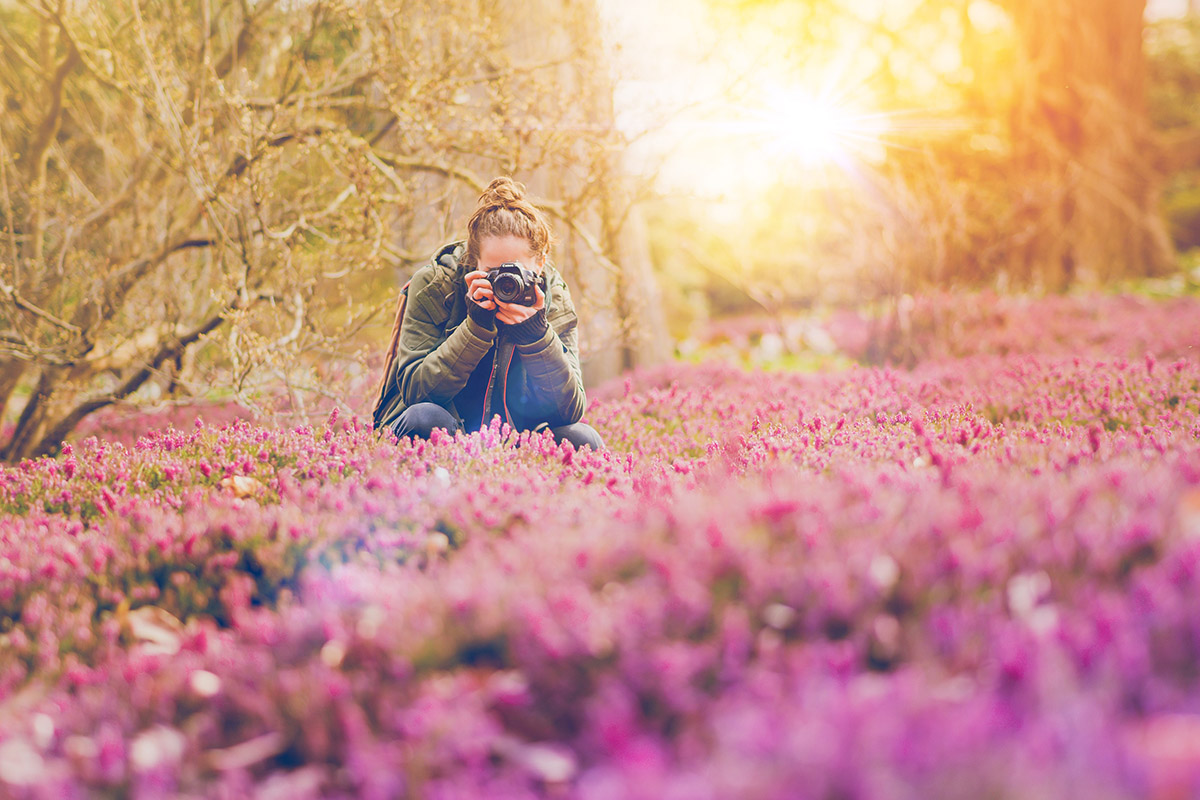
(488, 329)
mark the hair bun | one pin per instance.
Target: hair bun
(503, 211)
(503, 192)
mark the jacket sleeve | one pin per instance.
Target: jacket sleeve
(430, 368)
(554, 378)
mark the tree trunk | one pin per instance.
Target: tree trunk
(33, 417)
(10, 377)
(1083, 144)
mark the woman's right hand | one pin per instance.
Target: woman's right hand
(479, 290)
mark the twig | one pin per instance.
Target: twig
(23, 304)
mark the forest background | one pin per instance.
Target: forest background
(216, 200)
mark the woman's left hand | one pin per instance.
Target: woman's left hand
(514, 313)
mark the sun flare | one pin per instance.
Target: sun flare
(815, 129)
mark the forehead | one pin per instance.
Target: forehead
(496, 250)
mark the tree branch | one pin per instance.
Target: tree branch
(40, 149)
(242, 41)
(241, 163)
(129, 274)
(556, 210)
(383, 161)
(425, 165)
(31, 415)
(133, 271)
(52, 440)
(23, 304)
(40, 146)
(323, 94)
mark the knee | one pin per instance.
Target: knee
(579, 434)
(420, 419)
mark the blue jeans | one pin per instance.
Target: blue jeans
(420, 419)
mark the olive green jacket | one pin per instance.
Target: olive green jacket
(439, 346)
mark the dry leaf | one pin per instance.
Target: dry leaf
(155, 630)
(248, 753)
(243, 486)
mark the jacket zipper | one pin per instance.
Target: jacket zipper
(504, 389)
(487, 394)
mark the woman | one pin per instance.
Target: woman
(462, 356)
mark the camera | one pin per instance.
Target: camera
(513, 283)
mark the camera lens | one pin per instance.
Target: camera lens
(506, 288)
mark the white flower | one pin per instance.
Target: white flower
(1025, 591)
(778, 616)
(204, 683)
(156, 746)
(883, 571)
(20, 763)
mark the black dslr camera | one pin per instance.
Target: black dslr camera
(513, 283)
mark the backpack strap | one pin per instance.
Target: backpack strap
(448, 257)
(390, 358)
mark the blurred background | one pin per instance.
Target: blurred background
(215, 201)
(854, 152)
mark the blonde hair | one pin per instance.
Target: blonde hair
(503, 211)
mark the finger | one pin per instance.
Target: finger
(515, 310)
(541, 298)
(512, 313)
(518, 307)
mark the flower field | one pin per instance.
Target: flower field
(975, 578)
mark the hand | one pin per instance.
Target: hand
(479, 290)
(514, 313)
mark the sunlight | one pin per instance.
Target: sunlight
(813, 129)
(782, 133)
